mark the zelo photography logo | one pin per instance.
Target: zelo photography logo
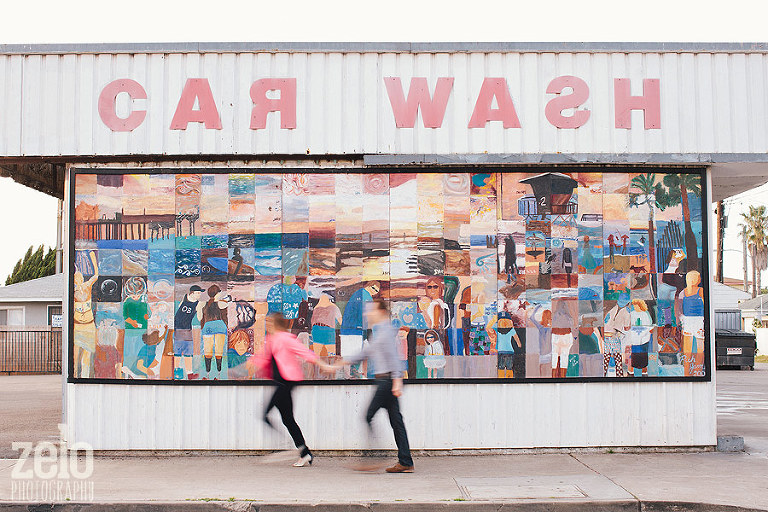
(52, 472)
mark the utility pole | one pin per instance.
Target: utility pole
(59, 228)
(744, 253)
(720, 236)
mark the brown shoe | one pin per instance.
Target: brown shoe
(399, 468)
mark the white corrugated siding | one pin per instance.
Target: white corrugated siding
(441, 417)
(438, 416)
(711, 102)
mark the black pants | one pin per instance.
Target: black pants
(284, 402)
(383, 398)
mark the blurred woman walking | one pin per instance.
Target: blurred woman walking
(281, 361)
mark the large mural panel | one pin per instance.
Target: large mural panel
(490, 275)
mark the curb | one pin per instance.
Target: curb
(452, 452)
(448, 506)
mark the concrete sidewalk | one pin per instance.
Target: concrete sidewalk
(578, 481)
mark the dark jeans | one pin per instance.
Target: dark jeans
(284, 402)
(384, 399)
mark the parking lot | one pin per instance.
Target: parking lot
(742, 406)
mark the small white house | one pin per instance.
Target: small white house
(726, 297)
(754, 309)
(35, 303)
(725, 303)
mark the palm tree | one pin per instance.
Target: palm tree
(646, 184)
(755, 230)
(677, 188)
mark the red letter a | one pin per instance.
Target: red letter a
(196, 89)
(494, 87)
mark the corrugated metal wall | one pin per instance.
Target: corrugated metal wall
(458, 416)
(711, 102)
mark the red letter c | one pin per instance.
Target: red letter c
(107, 105)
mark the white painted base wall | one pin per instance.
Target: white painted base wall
(761, 336)
(467, 416)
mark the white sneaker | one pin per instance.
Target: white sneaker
(303, 461)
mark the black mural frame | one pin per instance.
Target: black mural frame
(437, 169)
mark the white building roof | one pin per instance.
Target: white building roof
(754, 304)
(43, 289)
(727, 297)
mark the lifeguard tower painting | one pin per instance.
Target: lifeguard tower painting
(552, 195)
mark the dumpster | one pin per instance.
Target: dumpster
(735, 348)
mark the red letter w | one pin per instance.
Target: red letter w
(432, 110)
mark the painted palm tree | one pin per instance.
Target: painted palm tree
(646, 184)
(675, 191)
(755, 230)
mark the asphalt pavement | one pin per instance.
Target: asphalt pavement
(30, 410)
(742, 406)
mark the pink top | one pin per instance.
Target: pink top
(286, 349)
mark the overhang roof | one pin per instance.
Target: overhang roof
(44, 177)
(731, 178)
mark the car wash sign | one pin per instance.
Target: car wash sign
(410, 102)
(530, 106)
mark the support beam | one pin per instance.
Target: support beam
(719, 241)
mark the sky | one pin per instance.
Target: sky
(74, 21)
(48, 21)
(18, 231)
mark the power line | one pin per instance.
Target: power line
(747, 194)
(755, 203)
(742, 200)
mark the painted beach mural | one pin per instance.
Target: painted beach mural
(489, 275)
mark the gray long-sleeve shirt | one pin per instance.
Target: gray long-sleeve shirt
(382, 351)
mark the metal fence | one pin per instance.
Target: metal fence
(30, 351)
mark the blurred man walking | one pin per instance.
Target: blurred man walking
(383, 353)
